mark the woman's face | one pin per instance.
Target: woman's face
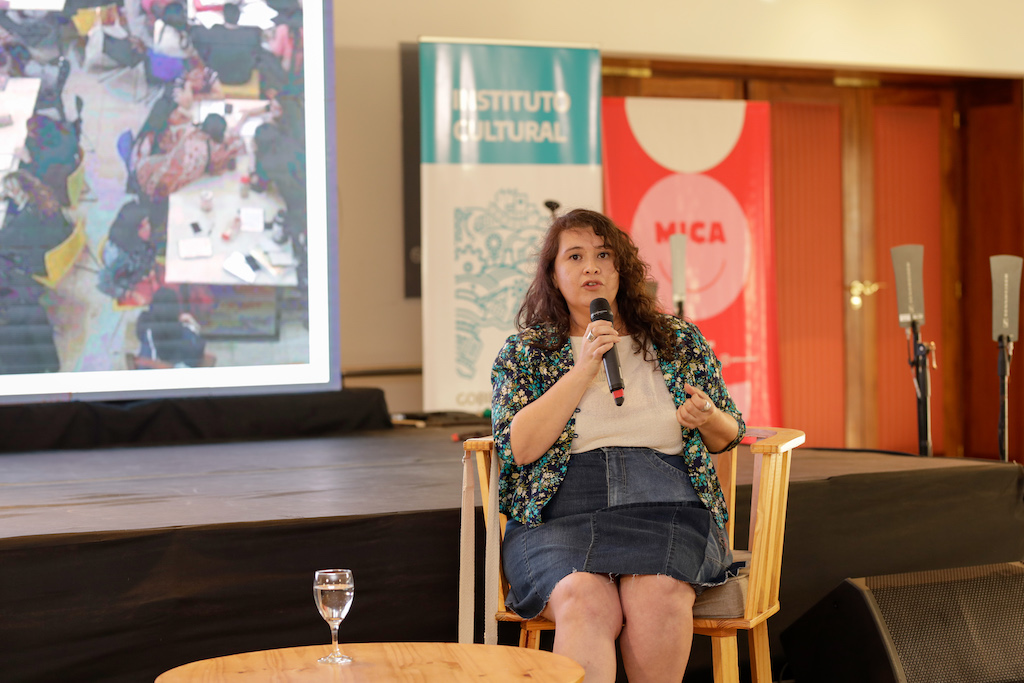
(585, 270)
(145, 230)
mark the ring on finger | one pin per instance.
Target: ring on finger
(706, 407)
(590, 335)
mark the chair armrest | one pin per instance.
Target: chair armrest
(481, 443)
(774, 439)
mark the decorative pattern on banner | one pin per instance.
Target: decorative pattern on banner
(702, 168)
(505, 129)
(494, 247)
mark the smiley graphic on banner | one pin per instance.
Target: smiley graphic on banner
(701, 169)
(718, 243)
(692, 204)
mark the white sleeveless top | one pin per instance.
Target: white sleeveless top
(647, 416)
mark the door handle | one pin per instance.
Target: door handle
(859, 290)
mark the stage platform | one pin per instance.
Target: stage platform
(119, 563)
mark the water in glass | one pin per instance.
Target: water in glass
(333, 590)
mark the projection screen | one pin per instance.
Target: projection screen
(167, 189)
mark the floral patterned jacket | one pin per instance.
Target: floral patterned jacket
(522, 372)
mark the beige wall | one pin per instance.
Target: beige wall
(379, 327)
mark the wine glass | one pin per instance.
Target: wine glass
(333, 590)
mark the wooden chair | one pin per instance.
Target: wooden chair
(743, 602)
(62, 257)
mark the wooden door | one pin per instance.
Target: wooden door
(914, 203)
(993, 216)
(856, 172)
(808, 149)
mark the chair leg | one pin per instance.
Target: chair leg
(725, 658)
(760, 654)
(530, 639)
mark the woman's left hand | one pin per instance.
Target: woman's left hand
(696, 410)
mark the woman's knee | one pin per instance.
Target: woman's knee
(656, 596)
(586, 597)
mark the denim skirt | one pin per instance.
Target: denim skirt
(618, 511)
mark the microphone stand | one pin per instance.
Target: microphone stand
(918, 360)
(1005, 356)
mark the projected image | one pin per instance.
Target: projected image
(153, 177)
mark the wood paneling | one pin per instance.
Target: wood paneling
(994, 216)
(654, 86)
(907, 211)
(807, 193)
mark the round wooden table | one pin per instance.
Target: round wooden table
(382, 662)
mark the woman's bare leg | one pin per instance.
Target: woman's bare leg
(658, 630)
(588, 618)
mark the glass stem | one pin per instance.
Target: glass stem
(334, 637)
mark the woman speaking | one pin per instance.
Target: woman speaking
(615, 512)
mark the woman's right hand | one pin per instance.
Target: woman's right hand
(599, 337)
(538, 425)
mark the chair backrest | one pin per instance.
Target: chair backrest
(484, 451)
(769, 498)
(480, 451)
(62, 257)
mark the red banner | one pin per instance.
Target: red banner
(702, 168)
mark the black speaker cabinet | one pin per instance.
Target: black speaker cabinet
(947, 626)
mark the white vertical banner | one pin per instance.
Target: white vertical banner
(505, 129)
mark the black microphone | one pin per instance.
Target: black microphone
(600, 310)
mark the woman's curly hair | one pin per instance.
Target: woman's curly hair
(544, 304)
